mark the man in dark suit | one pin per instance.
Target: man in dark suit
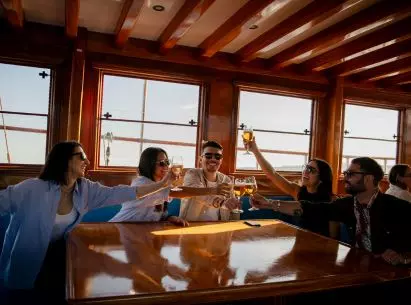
(377, 222)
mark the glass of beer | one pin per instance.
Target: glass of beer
(239, 190)
(250, 189)
(177, 168)
(247, 137)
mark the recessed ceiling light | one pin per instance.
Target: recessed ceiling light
(253, 27)
(158, 8)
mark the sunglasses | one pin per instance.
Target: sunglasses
(310, 169)
(349, 174)
(82, 155)
(216, 156)
(163, 163)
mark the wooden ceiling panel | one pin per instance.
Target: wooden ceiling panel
(383, 70)
(399, 30)
(314, 12)
(232, 27)
(72, 17)
(400, 79)
(128, 18)
(189, 13)
(400, 49)
(339, 32)
(13, 11)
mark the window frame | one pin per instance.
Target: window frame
(381, 105)
(28, 168)
(314, 95)
(103, 70)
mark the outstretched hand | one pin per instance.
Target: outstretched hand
(224, 189)
(251, 145)
(258, 201)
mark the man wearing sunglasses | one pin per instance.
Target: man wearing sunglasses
(208, 208)
(378, 223)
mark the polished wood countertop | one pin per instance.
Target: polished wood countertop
(142, 263)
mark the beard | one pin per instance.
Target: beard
(354, 189)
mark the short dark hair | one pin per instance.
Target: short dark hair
(148, 158)
(396, 171)
(56, 166)
(371, 167)
(211, 144)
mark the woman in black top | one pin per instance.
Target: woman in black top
(316, 184)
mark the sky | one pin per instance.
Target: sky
(23, 90)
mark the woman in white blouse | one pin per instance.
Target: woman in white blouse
(400, 182)
(153, 166)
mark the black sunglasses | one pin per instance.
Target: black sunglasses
(82, 155)
(349, 174)
(163, 163)
(216, 156)
(310, 169)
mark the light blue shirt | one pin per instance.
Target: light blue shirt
(32, 205)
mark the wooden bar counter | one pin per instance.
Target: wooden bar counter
(227, 262)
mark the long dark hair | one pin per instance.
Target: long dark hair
(397, 171)
(148, 158)
(56, 166)
(325, 174)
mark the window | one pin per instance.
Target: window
(24, 108)
(370, 132)
(281, 126)
(138, 113)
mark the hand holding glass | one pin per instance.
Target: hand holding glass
(177, 168)
(247, 137)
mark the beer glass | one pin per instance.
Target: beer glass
(177, 168)
(239, 190)
(247, 137)
(251, 189)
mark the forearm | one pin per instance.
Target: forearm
(188, 191)
(148, 189)
(287, 207)
(277, 179)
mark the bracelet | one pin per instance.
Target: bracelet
(276, 205)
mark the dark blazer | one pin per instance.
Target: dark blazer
(390, 220)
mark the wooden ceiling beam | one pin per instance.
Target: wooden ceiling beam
(314, 12)
(72, 17)
(338, 32)
(402, 48)
(398, 30)
(399, 79)
(381, 71)
(230, 29)
(128, 18)
(13, 10)
(189, 13)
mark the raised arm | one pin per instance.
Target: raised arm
(279, 181)
(100, 195)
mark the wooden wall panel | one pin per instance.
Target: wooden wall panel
(334, 128)
(219, 123)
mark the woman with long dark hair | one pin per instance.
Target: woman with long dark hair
(316, 185)
(153, 166)
(43, 210)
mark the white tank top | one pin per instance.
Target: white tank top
(61, 223)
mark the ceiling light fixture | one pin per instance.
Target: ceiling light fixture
(253, 27)
(158, 8)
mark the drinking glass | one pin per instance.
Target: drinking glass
(247, 137)
(177, 166)
(239, 189)
(251, 189)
